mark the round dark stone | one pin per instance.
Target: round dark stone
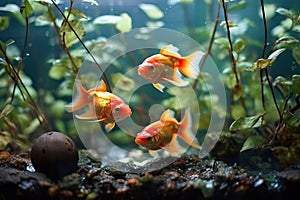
(54, 154)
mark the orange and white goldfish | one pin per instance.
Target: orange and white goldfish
(103, 106)
(162, 134)
(165, 67)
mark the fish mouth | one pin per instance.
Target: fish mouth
(140, 141)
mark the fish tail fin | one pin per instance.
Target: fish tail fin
(189, 65)
(185, 130)
(81, 98)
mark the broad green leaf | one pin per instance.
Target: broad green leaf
(291, 120)
(15, 11)
(58, 109)
(5, 139)
(32, 127)
(156, 24)
(123, 82)
(237, 6)
(273, 56)
(246, 123)
(230, 24)
(70, 37)
(286, 42)
(151, 10)
(4, 22)
(296, 54)
(78, 13)
(57, 71)
(285, 12)
(264, 63)
(125, 24)
(92, 1)
(107, 20)
(173, 2)
(237, 111)
(223, 42)
(296, 83)
(252, 142)
(26, 9)
(239, 45)
(269, 11)
(7, 109)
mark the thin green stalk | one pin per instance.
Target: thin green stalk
(84, 46)
(36, 109)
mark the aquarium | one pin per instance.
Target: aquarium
(114, 99)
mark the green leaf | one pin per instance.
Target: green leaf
(151, 10)
(15, 11)
(107, 20)
(237, 6)
(123, 82)
(237, 111)
(296, 54)
(92, 1)
(291, 120)
(252, 142)
(78, 13)
(269, 11)
(4, 22)
(26, 9)
(57, 71)
(32, 127)
(223, 42)
(262, 63)
(286, 42)
(239, 45)
(7, 109)
(285, 12)
(70, 37)
(5, 139)
(246, 123)
(125, 24)
(296, 83)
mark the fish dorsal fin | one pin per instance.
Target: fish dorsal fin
(170, 50)
(101, 87)
(159, 86)
(177, 79)
(167, 115)
(189, 65)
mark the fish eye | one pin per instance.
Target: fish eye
(151, 68)
(117, 109)
(148, 138)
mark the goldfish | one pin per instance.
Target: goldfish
(162, 134)
(103, 106)
(167, 65)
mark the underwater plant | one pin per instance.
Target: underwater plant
(263, 107)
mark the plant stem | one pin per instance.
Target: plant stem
(84, 46)
(233, 63)
(265, 70)
(208, 52)
(36, 109)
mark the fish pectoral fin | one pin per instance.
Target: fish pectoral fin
(159, 86)
(174, 148)
(109, 126)
(153, 153)
(177, 79)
